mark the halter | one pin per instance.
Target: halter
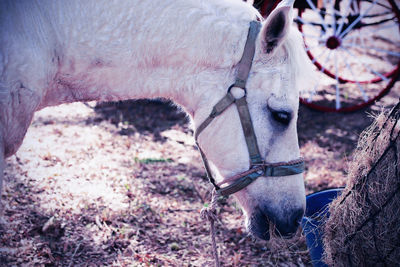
(258, 167)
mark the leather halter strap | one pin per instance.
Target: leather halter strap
(244, 65)
(257, 166)
(243, 179)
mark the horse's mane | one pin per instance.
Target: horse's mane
(227, 13)
(216, 24)
(302, 66)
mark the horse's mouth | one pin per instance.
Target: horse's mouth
(258, 225)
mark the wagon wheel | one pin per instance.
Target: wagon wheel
(356, 43)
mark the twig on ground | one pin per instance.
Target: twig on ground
(197, 192)
(48, 224)
(73, 255)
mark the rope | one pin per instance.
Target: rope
(210, 213)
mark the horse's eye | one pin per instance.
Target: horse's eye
(281, 116)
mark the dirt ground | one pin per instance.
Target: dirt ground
(122, 185)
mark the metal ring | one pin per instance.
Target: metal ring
(260, 172)
(233, 85)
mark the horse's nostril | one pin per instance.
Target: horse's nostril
(288, 227)
(296, 218)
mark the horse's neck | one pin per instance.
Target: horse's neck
(174, 55)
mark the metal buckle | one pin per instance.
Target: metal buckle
(256, 165)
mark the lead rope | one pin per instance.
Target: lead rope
(210, 213)
(242, 73)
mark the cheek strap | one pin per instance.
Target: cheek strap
(257, 165)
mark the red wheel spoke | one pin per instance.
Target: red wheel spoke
(320, 55)
(309, 48)
(379, 29)
(311, 36)
(332, 7)
(343, 16)
(365, 97)
(380, 75)
(342, 34)
(396, 54)
(366, 60)
(338, 105)
(304, 22)
(311, 4)
(313, 92)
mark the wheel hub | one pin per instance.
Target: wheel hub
(333, 42)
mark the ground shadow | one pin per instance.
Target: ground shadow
(339, 131)
(329, 130)
(31, 237)
(143, 116)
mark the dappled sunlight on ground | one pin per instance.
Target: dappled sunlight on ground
(327, 141)
(322, 167)
(123, 184)
(90, 189)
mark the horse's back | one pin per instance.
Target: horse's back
(41, 41)
(51, 51)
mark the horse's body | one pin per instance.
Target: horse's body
(56, 51)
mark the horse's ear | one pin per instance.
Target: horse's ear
(277, 26)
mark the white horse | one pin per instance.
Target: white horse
(56, 51)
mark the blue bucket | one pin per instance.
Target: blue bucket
(313, 222)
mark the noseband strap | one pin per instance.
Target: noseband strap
(257, 166)
(243, 179)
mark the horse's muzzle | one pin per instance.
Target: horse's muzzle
(286, 227)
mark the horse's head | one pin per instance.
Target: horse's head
(272, 97)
